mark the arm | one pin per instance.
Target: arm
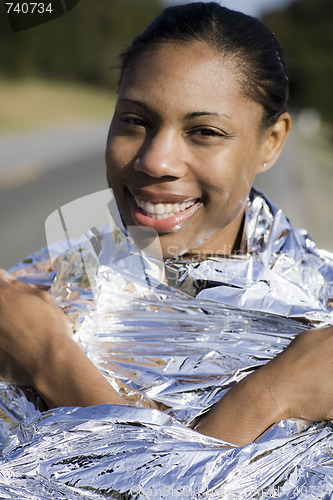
(295, 384)
(37, 349)
(71, 379)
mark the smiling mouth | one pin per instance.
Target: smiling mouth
(163, 217)
(162, 210)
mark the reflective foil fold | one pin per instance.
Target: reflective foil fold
(172, 338)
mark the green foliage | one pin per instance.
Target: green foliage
(305, 30)
(82, 45)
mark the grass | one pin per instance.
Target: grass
(35, 104)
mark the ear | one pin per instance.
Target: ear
(274, 140)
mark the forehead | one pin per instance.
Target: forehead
(175, 74)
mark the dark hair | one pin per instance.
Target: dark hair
(243, 38)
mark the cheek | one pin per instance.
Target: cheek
(236, 172)
(115, 157)
(114, 170)
(227, 176)
(230, 185)
(121, 152)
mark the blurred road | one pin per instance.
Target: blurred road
(301, 184)
(39, 172)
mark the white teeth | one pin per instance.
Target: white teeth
(149, 207)
(162, 210)
(159, 209)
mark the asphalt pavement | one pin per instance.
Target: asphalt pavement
(41, 171)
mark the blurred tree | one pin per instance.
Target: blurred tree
(81, 45)
(305, 30)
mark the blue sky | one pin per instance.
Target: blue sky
(251, 7)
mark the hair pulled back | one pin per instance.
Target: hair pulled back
(244, 39)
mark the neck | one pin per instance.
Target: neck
(226, 242)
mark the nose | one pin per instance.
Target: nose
(162, 155)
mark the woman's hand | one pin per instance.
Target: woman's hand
(37, 349)
(301, 377)
(298, 383)
(30, 322)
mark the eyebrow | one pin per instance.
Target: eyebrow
(188, 116)
(138, 103)
(196, 114)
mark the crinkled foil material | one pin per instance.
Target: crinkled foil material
(172, 339)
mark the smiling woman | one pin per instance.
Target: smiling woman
(201, 145)
(201, 137)
(202, 109)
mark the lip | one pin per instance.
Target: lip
(147, 195)
(169, 224)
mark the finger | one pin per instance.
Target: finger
(23, 286)
(8, 280)
(18, 286)
(5, 276)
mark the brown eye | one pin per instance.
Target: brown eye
(208, 132)
(134, 121)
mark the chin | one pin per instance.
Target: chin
(170, 247)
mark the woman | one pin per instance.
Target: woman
(202, 109)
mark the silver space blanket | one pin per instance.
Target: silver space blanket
(172, 337)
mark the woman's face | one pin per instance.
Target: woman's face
(184, 147)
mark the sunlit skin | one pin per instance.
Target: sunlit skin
(183, 130)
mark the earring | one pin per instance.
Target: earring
(264, 165)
